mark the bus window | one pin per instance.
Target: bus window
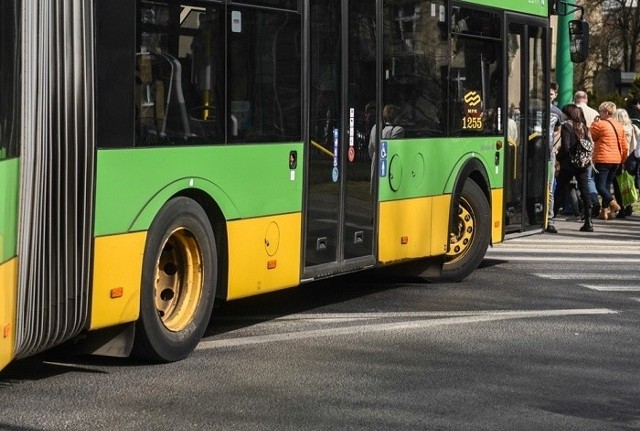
(180, 74)
(475, 73)
(9, 73)
(264, 61)
(415, 59)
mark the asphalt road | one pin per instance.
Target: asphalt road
(544, 336)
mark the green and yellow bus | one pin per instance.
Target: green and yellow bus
(157, 155)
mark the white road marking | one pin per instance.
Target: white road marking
(567, 258)
(579, 251)
(589, 276)
(612, 288)
(458, 318)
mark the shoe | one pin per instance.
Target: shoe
(595, 211)
(613, 206)
(628, 210)
(587, 227)
(605, 214)
(621, 214)
(551, 229)
(588, 224)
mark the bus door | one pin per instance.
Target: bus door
(340, 199)
(527, 125)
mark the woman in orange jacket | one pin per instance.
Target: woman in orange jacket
(610, 144)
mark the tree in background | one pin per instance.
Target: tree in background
(614, 40)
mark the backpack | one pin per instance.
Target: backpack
(582, 153)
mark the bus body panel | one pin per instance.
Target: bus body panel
(9, 192)
(497, 215)
(533, 7)
(9, 170)
(264, 254)
(429, 167)
(8, 301)
(246, 181)
(117, 274)
(413, 228)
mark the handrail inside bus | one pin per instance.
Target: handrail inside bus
(321, 148)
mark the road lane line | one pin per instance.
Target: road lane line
(477, 317)
(588, 276)
(563, 259)
(612, 288)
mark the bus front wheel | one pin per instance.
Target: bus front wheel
(178, 282)
(469, 235)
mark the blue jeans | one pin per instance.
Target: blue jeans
(592, 181)
(604, 178)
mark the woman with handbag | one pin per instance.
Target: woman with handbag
(631, 134)
(610, 144)
(572, 133)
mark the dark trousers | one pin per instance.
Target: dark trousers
(582, 176)
(604, 179)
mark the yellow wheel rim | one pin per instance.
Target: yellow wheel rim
(461, 238)
(179, 280)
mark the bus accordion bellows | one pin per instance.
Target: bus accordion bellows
(158, 155)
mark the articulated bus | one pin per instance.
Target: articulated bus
(159, 155)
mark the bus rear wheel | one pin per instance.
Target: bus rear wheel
(470, 234)
(179, 274)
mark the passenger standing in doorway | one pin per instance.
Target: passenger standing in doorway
(555, 116)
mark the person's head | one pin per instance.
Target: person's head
(573, 113)
(622, 116)
(580, 97)
(606, 109)
(553, 90)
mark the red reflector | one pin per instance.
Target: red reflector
(272, 264)
(117, 292)
(6, 330)
(404, 240)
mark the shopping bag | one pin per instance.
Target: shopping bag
(628, 190)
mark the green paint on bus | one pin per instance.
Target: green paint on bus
(533, 7)
(428, 167)
(9, 170)
(244, 180)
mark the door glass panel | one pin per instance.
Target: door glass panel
(323, 198)
(526, 149)
(538, 129)
(359, 208)
(514, 150)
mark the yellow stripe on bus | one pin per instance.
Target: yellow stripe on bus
(497, 196)
(264, 254)
(117, 276)
(8, 298)
(413, 228)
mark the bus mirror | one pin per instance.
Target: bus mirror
(578, 40)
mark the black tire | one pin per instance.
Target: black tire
(179, 274)
(470, 235)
